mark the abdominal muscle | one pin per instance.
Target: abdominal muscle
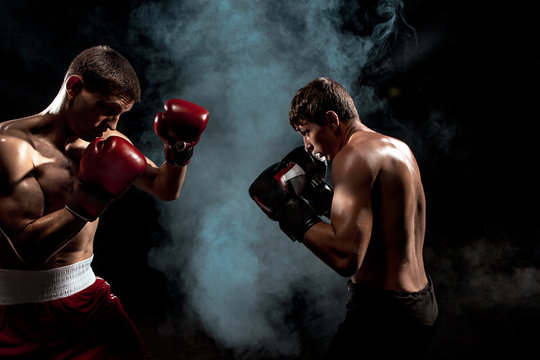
(79, 248)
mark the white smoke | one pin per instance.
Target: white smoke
(244, 60)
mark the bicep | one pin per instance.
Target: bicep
(21, 196)
(147, 178)
(352, 213)
(163, 182)
(20, 204)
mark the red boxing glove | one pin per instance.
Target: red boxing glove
(180, 126)
(106, 170)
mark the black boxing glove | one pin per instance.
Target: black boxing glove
(313, 187)
(274, 192)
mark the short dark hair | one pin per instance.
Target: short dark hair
(319, 96)
(105, 70)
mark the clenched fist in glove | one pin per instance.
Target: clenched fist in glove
(310, 179)
(106, 170)
(274, 191)
(180, 126)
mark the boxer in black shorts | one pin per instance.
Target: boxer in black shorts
(389, 323)
(377, 213)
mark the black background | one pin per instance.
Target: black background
(482, 74)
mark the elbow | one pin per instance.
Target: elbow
(166, 194)
(31, 258)
(346, 266)
(31, 254)
(38, 262)
(170, 196)
(19, 250)
(346, 271)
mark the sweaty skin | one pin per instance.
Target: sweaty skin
(377, 227)
(39, 157)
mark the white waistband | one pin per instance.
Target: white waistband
(26, 286)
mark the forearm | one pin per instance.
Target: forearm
(165, 182)
(170, 180)
(42, 238)
(341, 256)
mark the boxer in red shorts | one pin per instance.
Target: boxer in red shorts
(59, 170)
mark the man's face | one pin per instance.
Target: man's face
(319, 140)
(93, 113)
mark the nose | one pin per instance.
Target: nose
(307, 145)
(112, 122)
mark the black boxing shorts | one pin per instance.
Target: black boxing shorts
(382, 323)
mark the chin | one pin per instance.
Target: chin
(329, 157)
(89, 138)
(320, 156)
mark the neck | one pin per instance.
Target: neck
(54, 122)
(349, 129)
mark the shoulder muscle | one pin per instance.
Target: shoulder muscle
(16, 159)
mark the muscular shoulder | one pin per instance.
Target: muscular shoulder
(17, 157)
(368, 154)
(398, 159)
(395, 163)
(357, 162)
(364, 150)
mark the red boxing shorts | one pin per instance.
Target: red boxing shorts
(53, 318)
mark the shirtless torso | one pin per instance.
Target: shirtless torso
(36, 179)
(376, 233)
(393, 258)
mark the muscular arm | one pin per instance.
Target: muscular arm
(163, 182)
(34, 236)
(342, 244)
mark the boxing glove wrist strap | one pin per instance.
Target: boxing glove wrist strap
(76, 214)
(319, 195)
(88, 201)
(178, 158)
(296, 218)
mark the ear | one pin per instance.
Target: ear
(332, 119)
(74, 85)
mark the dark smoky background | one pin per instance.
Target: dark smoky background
(208, 276)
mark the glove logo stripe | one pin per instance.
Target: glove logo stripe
(287, 174)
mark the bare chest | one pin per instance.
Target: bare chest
(55, 172)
